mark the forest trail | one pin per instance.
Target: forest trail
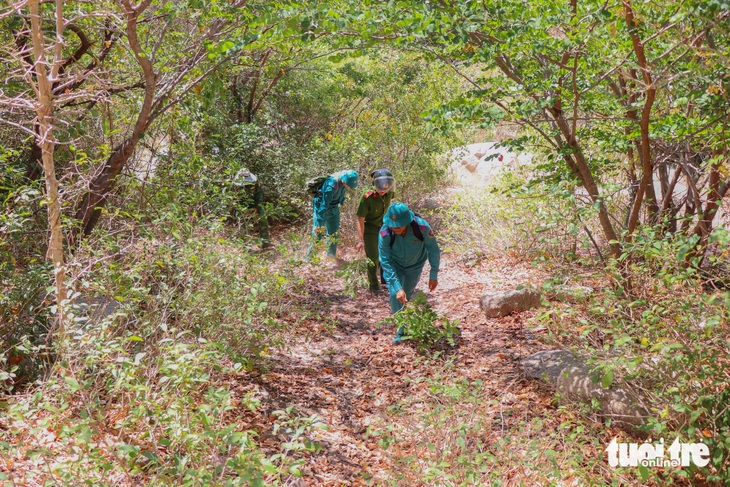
(361, 385)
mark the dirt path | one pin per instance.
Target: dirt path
(352, 377)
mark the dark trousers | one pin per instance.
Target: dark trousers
(371, 251)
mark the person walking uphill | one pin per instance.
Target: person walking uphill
(326, 208)
(405, 242)
(370, 211)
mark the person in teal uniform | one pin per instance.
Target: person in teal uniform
(326, 208)
(405, 243)
(373, 205)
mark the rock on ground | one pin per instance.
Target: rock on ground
(574, 381)
(504, 303)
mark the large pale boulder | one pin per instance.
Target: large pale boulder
(504, 303)
(479, 164)
(547, 365)
(623, 406)
(470, 162)
(573, 381)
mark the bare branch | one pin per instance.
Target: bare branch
(18, 126)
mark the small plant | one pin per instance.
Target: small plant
(422, 325)
(354, 274)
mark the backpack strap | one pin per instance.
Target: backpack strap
(416, 228)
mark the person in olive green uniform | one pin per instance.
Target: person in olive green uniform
(373, 206)
(252, 197)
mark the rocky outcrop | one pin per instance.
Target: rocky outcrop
(547, 365)
(574, 382)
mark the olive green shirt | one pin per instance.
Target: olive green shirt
(372, 207)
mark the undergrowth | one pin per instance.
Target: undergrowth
(522, 218)
(459, 432)
(661, 329)
(143, 389)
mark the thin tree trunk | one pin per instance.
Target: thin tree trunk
(646, 185)
(55, 244)
(580, 167)
(703, 227)
(237, 99)
(47, 143)
(93, 202)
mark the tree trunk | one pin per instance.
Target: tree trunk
(703, 227)
(44, 112)
(55, 243)
(90, 208)
(646, 184)
(34, 163)
(581, 169)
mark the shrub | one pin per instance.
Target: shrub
(662, 329)
(519, 216)
(354, 274)
(423, 326)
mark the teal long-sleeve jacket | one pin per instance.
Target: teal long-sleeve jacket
(408, 255)
(327, 204)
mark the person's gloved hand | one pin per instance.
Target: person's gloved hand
(401, 296)
(360, 246)
(432, 283)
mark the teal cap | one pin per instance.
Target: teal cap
(398, 215)
(349, 177)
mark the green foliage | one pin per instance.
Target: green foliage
(354, 274)
(566, 75)
(147, 382)
(25, 322)
(21, 210)
(196, 283)
(662, 329)
(296, 429)
(359, 112)
(168, 413)
(424, 327)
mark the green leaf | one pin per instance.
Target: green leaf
(225, 46)
(85, 435)
(151, 456)
(607, 379)
(131, 450)
(72, 383)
